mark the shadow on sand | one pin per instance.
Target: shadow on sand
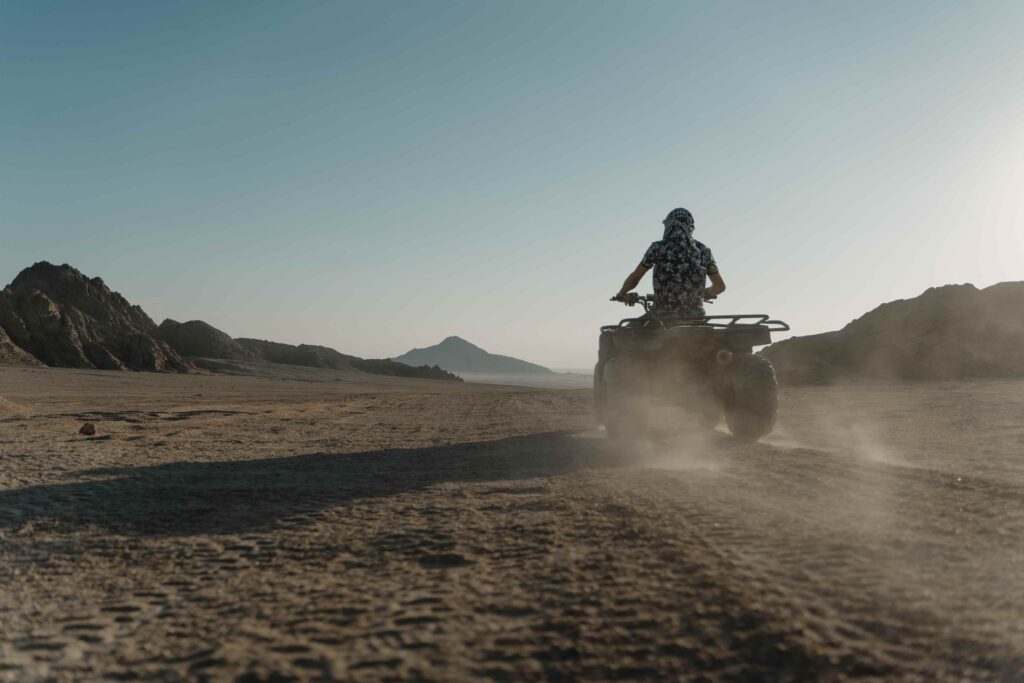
(226, 497)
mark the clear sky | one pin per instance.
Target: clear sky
(375, 176)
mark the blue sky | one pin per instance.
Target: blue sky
(375, 176)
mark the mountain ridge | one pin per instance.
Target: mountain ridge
(57, 316)
(947, 332)
(200, 339)
(311, 355)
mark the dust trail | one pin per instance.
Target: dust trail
(837, 431)
(675, 442)
(851, 440)
(694, 451)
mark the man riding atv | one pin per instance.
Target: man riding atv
(681, 265)
(676, 355)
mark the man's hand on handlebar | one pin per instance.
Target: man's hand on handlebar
(628, 298)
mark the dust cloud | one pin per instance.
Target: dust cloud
(858, 437)
(694, 451)
(676, 440)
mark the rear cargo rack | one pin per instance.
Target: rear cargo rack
(715, 322)
(735, 320)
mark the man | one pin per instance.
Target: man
(681, 265)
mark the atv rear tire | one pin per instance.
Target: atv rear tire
(600, 393)
(623, 382)
(751, 400)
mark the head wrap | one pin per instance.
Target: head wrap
(678, 225)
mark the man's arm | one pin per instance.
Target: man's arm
(632, 281)
(717, 285)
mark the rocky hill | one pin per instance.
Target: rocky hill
(458, 355)
(60, 317)
(303, 354)
(951, 332)
(196, 338)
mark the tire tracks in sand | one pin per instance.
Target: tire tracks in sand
(490, 547)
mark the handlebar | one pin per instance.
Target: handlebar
(647, 300)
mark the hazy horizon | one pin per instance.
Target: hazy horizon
(376, 177)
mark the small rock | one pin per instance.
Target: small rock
(88, 429)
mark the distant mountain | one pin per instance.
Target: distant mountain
(60, 317)
(951, 332)
(458, 355)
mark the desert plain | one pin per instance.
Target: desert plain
(328, 525)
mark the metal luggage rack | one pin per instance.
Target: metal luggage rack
(735, 321)
(715, 322)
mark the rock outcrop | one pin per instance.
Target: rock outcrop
(304, 354)
(197, 339)
(951, 332)
(65, 319)
(12, 354)
(458, 355)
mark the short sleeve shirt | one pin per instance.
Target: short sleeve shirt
(680, 276)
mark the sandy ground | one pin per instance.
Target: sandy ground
(341, 527)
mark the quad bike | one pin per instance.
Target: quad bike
(704, 365)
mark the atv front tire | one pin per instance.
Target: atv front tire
(751, 396)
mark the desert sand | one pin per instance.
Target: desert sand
(318, 525)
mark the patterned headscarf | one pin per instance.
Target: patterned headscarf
(678, 225)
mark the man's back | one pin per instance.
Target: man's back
(680, 275)
(681, 267)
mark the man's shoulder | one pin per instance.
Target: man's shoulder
(656, 247)
(703, 247)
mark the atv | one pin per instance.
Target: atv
(704, 365)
